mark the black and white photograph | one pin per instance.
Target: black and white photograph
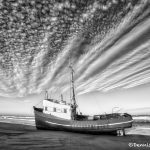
(74, 74)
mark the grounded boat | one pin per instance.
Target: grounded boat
(59, 115)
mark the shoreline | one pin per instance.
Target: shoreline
(16, 126)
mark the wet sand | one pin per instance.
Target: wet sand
(18, 137)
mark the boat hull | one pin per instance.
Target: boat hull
(49, 122)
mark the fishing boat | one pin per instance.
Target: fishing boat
(60, 115)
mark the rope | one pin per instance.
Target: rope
(39, 103)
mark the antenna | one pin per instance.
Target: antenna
(61, 97)
(46, 94)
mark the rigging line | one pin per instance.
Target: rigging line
(39, 103)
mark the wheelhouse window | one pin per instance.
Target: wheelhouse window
(46, 109)
(65, 110)
(54, 109)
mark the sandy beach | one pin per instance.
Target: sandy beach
(21, 136)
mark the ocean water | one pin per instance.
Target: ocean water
(19, 133)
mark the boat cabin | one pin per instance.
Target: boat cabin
(57, 108)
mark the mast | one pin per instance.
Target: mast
(73, 99)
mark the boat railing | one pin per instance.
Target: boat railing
(107, 116)
(38, 109)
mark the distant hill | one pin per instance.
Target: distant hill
(139, 111)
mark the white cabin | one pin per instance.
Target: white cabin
(57, 108)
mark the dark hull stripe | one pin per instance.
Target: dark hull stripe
(109, 124)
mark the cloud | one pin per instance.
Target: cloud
(108, 49)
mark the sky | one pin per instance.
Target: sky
(106, 41)
(134, 101)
